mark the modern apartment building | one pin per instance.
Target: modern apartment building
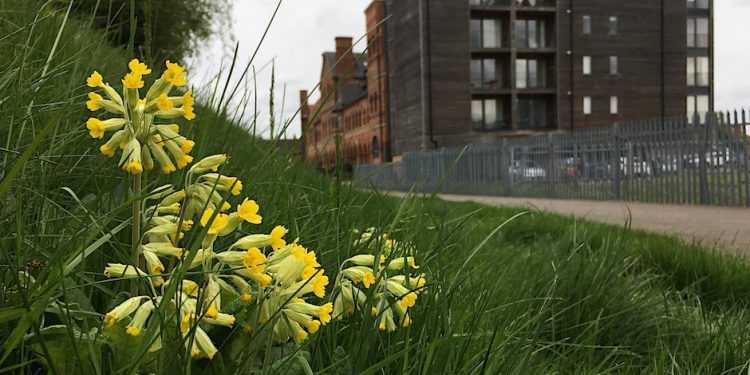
(469, 71)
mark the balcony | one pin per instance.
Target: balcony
(491, 3)
(534, 3)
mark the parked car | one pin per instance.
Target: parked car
(526, 169)
(636, 167)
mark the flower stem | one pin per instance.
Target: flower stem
(136, 250)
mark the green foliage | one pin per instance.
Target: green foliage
(543, 294)
(164, 29)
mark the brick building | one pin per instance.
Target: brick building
(469, 71)
(353, 104)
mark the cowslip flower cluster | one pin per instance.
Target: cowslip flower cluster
(385, 270)
(133, 126)
(268, 276)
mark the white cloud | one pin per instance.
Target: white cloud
(303, 29)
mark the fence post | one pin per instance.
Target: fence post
(551, 165)
(703, 168)
(506, 158)
(615, 161)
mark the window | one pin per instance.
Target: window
(486, 114)
(613, 105)
(586, 25)
(486, 33)
(613, 68)
(697, 32)
(586, 65)
(375, 147)
(484, 73)
(586, 105)
(702, 71)
(530, 34)
(698, 73)
(613, 25)
(697, 104)
(532, 114)
(530, 73)
(699, 4)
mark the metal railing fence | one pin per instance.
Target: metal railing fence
(703, 161)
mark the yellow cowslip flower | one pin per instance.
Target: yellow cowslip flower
(114, 142)
(219, 221)
(93, 103)
(104, 149)
(300, 336)
(186, 322)
(368, 279)
(406, 297)
(175, 74)
(225, 206)
(313, 326)
(233, 258)
(414, 283)
(163, 230)
(163, 249)
(277, 237)
(183, 161)
(311, 265)
(289, 269)
(132, 81)
(134, 167)
(161, 156)
(221, 319)
(187, 225)
(366, 260)
(187, 145)
(319, 283)
(212, 298)
(138, 67)
(408, 300)
(122, 310)
(155, 266)
(95, 80)
(209, 163)
(139, 319)
(204, 343)
(261, 278)
(172, 209)
(235, 185)
(121, 270)
(248, 210)
(254, 260)
(360, 274)
(187, 105)
(324, 313)
(163, 102)
(400, 263)
(95, 127)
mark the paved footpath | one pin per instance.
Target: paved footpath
(723, 227)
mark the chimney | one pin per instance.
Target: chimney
(304, 108)
(344, 57)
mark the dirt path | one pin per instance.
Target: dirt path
(726, 228)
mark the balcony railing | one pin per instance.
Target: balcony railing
(534, 3)
(519, 3)
(491, 2)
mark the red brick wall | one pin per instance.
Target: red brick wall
(364, 123)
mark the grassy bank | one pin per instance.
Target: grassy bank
(508, 291)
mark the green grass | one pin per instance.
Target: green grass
(534, 293)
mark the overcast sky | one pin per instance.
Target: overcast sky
(303, 29)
